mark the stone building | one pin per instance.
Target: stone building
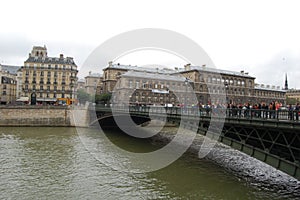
(113, 71)
(148, 88)
(48, 77)
(239, 87)
(80, 84)
(293, 94)
(8, 86)
(266, 94)
(223, 85)
(92, 82)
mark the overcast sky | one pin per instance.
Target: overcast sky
(261, 37)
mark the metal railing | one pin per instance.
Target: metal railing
(233, 113)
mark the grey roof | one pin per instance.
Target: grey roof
(95, 75)
(142, 69)
(51, 60)
(81, 80)
(273, 88)
(153, 76)
(10, 68)
(215, 70)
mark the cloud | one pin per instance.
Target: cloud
(273, 71)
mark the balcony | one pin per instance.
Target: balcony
(48, 82)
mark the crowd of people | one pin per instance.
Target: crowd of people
(273, 110)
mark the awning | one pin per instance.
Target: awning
(23, 99)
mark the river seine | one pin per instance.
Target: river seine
(52, 163)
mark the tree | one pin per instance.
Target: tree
(82, 96)
(291, 101)
(103, 98)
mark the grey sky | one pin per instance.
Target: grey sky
(253, 36)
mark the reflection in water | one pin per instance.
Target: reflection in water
(52, 163)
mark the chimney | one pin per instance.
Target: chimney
(110, 63)
(204, 66)
(187, 67)
(242, 72)
(61, 56)
(90, 73)
(246, 73)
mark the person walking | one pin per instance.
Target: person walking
(291, 113)
(297, 109)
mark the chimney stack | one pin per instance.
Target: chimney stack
(187, 67)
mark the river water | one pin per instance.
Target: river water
(53, 163)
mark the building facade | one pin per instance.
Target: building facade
(237, 87)
(92, 82)
(293, 94)
(210, 85)
(148, 88)
(8, 86)
(114, 71)
(48, 77)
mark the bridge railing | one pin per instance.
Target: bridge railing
(236, 113)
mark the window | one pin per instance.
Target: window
(130, 84)
(42, 73)
(144, 85)
(214, 80)
(137, 84)
(209, 79)
(49, 67)
(4, 93)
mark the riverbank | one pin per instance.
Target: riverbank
(238, 163)
(43, 116)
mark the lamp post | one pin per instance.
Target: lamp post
(186, 81)
(226, 91)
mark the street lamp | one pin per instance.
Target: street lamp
(226, 88)
(186, 81)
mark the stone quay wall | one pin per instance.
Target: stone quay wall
(42, 116)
